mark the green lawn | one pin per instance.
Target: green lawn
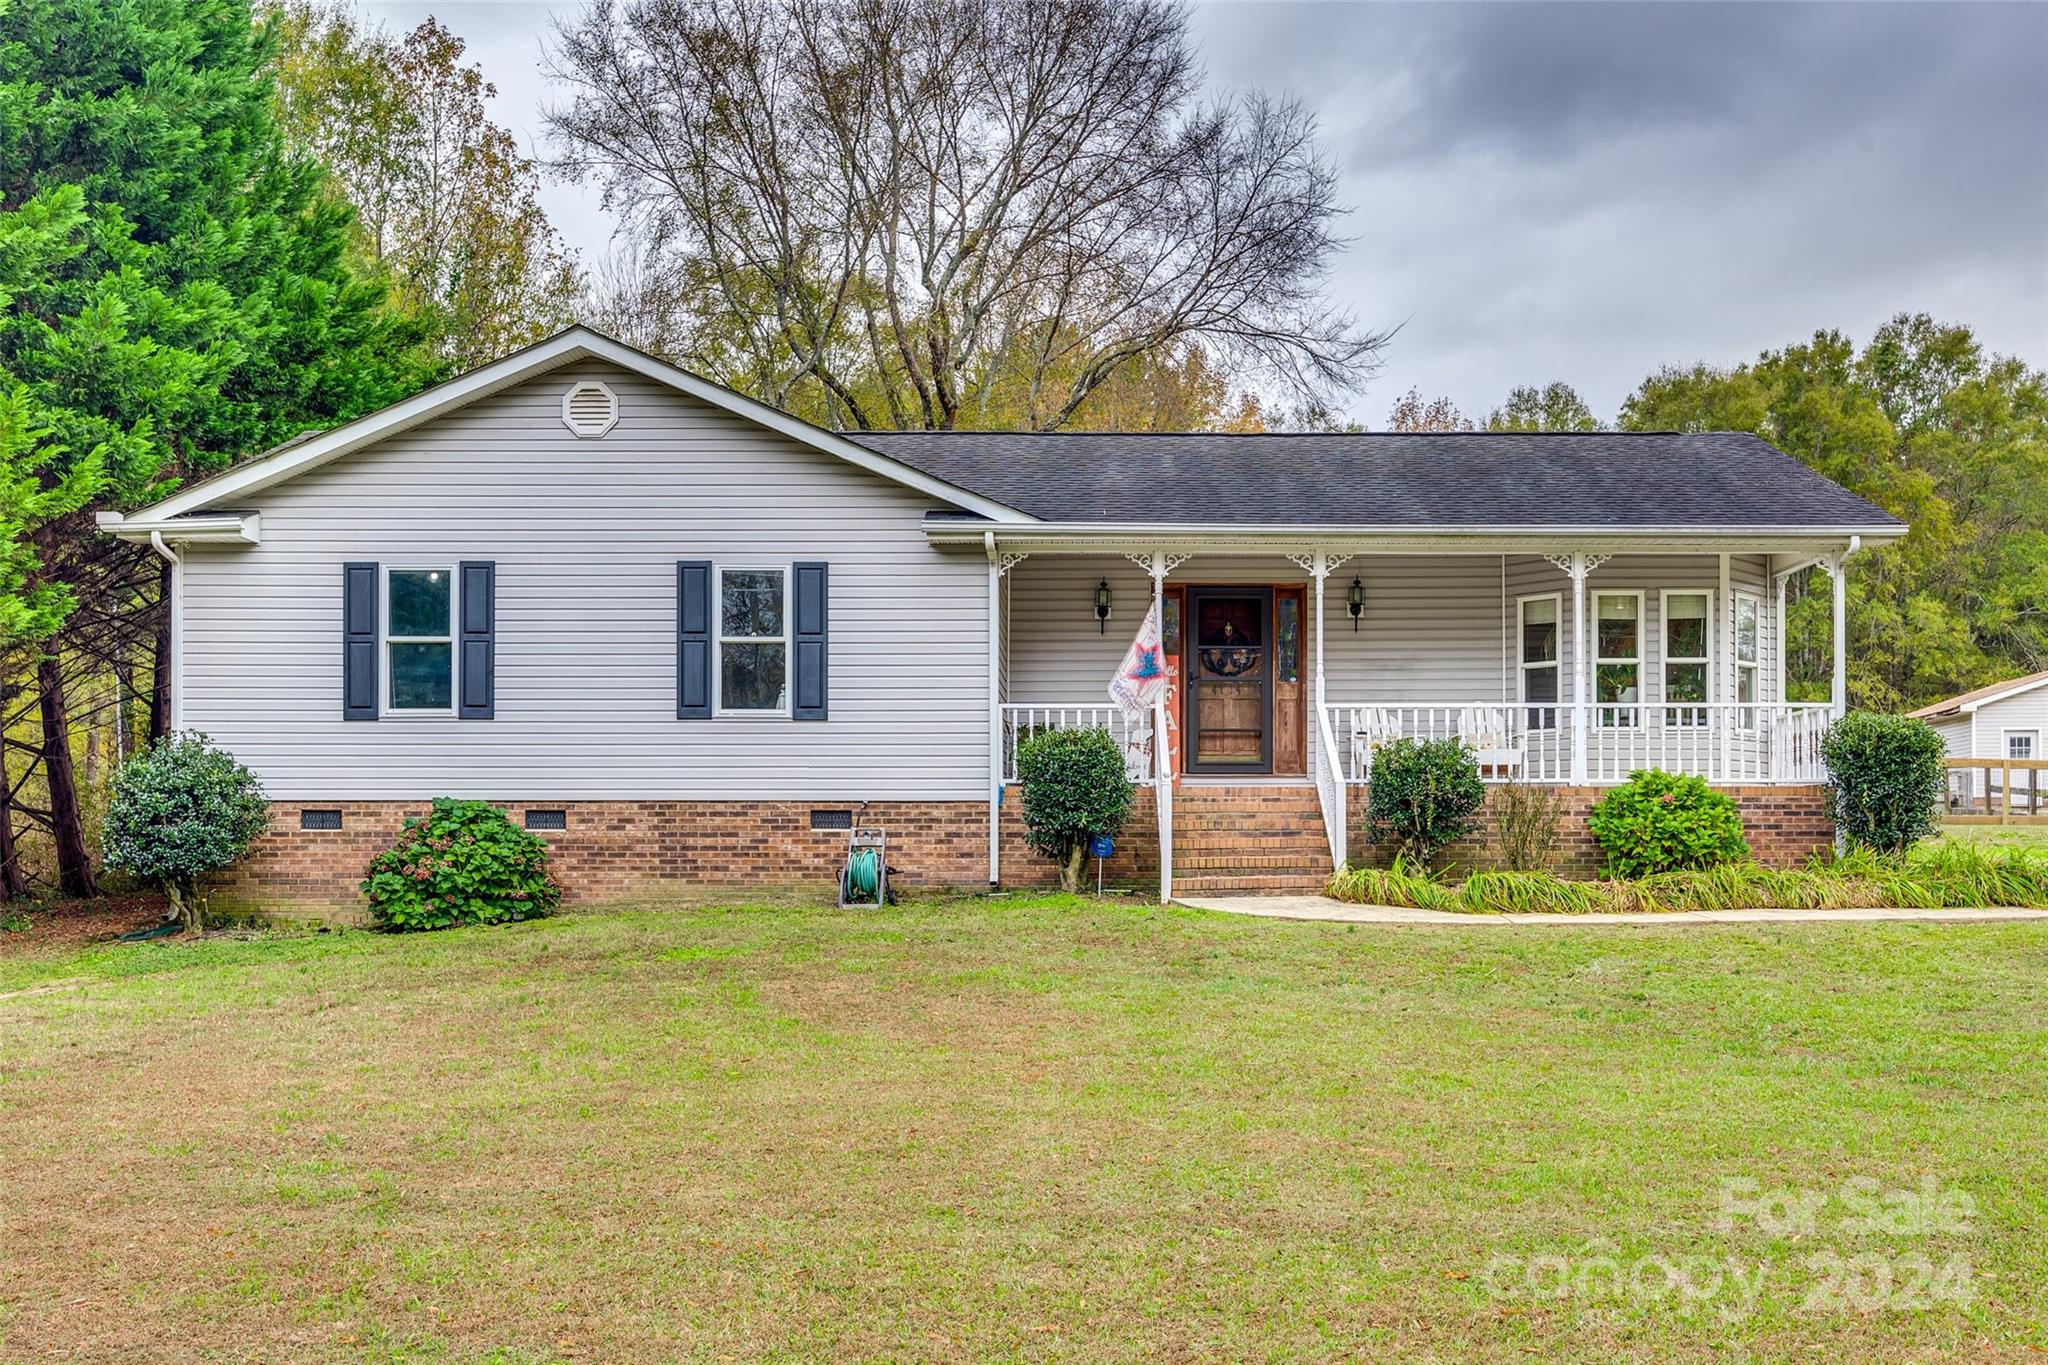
(1022, 1130)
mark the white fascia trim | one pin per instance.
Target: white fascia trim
(1447, 539)
(564, 348)
(219, 528)
(2017, 689)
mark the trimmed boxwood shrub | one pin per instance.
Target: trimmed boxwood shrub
(1423, 795)
(1885, 779)
(1075, 785)
(182, 809)
(465, 862)
(1661, 822)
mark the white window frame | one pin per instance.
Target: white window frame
(1641, 661)
(385, 639)
(1522, 666)
(1703, 709)
(2006, 737)
(1747, 720)
(721, 640)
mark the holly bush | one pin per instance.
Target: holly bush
(182, 809)
(1422, 795)
(1885, 779)
(1075, 785)
(465, 862)
(1661, 822)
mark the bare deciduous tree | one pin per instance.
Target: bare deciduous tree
(933, 213)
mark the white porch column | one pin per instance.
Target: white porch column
(1578, 564)
(1162, 741)
(1724, 682)
(1778, 582)
(995, 709)
(1838, 571)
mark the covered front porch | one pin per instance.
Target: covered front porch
(1570, 665)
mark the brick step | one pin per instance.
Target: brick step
(1250, 862)
(1220, 821)
(1299, 850)
(1248, 884)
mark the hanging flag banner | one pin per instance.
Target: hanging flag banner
(1141, 679)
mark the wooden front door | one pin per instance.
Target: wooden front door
(1229, 674)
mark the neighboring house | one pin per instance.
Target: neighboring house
(2002, 724)
(691, 635)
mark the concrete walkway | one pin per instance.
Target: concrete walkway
(1323, 908)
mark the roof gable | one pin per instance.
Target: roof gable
(565, 347)
(1965, 702)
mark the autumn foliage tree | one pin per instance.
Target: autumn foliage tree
(1924, 423)
(446, 204)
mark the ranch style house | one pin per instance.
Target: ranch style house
(691, 637)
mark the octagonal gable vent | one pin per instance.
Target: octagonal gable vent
(590, 409)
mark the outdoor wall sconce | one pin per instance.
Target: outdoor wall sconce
(1101, 607)
(1354, 602)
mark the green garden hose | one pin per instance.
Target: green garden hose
(863, 874)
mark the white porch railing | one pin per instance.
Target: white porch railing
(1726, 742)
(1022, 722)
(1330, 794)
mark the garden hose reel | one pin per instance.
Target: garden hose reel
(864, 881)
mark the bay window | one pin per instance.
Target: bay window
(1688, 651)
(1617, 657)
(1537, 636)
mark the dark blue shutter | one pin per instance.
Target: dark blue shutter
(693, 639)
(479, 638)
(809, 642)
(359, 641)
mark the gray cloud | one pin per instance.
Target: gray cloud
(1587, 191)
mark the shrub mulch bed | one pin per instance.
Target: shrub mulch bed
(75, 923)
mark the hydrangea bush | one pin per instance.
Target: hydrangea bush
(1661, 822)
(182, 809)
(464, 862)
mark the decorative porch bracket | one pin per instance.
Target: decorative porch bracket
(1578, 565)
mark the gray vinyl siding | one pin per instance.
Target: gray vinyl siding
(2026, 711)
(1436, 628)
(586, 534)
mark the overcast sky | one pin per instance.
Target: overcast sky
(1585, 192)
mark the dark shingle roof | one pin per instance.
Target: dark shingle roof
(1386, 479)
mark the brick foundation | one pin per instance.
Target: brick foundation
(615, 850)
(1785, 827)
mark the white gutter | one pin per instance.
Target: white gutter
(177, 610)
(968, 531)
(214, 528)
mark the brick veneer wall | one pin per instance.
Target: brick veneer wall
(1785, 826)
(614, 850)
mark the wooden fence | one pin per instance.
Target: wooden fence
(1996, 791)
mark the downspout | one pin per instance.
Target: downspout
(995, 708)
(177, 609)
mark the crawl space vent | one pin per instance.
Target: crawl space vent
(590, 409)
